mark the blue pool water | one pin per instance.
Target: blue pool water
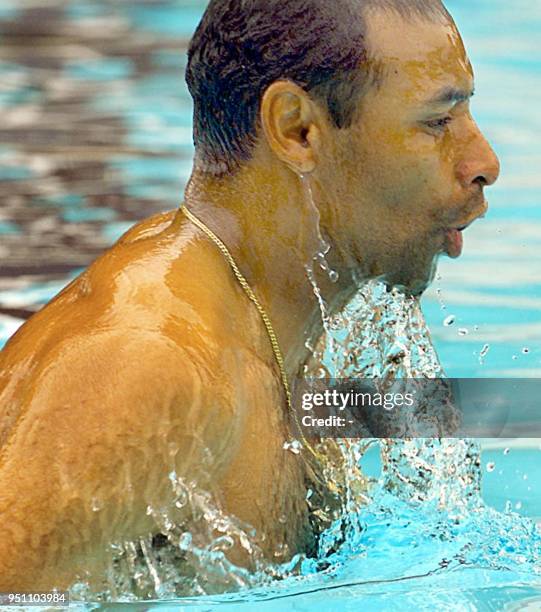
(97, 134)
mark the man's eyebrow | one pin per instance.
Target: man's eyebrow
(449, 95)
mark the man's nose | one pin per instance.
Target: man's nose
(480, 164)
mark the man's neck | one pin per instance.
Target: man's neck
(265, 217)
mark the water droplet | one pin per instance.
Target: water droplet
(294, 446)
(525, 350)
(514, 357)
(518, 505)
(463, 331)
(222, 543)
(334, 276)
(308, 346)
(476, 328)
(525, 477)
(185, 541)
(96, 505)
(182, 499)
(449, 320)
(506, 451)
(491, 466)
(484, 351)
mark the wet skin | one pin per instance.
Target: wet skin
(154, 358)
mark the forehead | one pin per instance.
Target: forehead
(417, 57)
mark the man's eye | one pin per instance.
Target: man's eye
(439, 124)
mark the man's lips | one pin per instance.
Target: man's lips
(453, 243)
(454, 240)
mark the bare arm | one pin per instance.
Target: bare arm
(90, 449)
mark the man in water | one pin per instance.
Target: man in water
(346, 122)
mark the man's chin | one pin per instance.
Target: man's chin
(412, 281)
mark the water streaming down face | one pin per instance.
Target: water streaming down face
(321, 247)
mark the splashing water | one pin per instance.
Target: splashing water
(428, 495)
(180, 560)
(426, 502)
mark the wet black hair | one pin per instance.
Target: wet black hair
(242, 46)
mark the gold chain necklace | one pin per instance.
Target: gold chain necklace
(264, 316)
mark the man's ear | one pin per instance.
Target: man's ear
(292, 125)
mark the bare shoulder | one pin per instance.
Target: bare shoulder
(104, 387)
(158, 299)
(117, 381)
(99, 426)
(155, 272)
(149, 227)
(101, 384)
